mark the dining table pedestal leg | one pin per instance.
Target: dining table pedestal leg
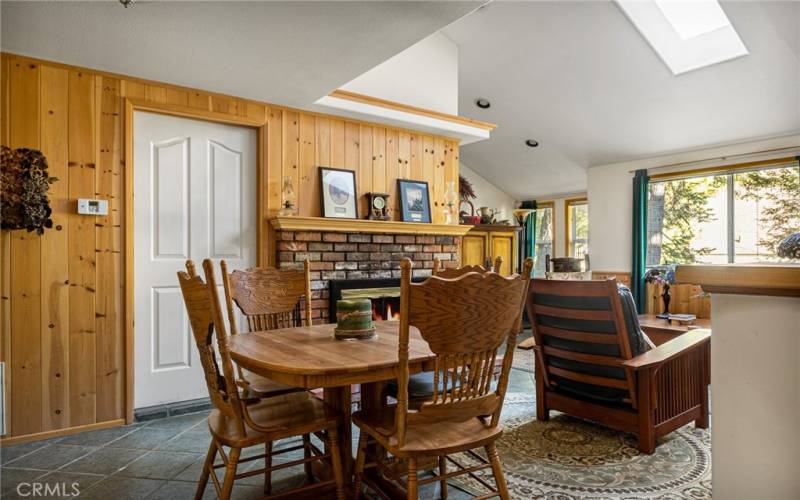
(338, 398)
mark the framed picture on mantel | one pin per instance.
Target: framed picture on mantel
(338, 194)
(415, 202)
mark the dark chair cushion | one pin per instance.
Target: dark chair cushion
(420, 386)
(638, 340)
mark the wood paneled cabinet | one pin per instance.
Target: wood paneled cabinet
(485, 242)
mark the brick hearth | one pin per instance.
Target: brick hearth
(360, 256)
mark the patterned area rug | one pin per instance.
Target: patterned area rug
(568, 458)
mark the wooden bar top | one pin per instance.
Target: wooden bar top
(745, 279)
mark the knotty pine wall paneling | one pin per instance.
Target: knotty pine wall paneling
(63, 293)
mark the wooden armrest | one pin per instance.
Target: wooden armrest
(527, 344)
(669, 350)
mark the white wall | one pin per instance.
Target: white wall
(610, 192)
(756, 437)
(424, 75)
(488, 195)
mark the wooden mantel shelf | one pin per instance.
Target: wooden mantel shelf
(744, 279)
(365, 226)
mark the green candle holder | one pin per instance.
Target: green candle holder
(354, 319)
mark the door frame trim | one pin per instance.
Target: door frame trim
(136, 104)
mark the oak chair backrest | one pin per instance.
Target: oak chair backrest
(442, 272)
(464, 320)
(203, 307)
(581, 337)
(269, 298)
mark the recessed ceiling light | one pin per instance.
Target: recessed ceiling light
(531, 143)
(686, 35)
(483, 103)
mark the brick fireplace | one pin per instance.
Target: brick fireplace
(360, 256)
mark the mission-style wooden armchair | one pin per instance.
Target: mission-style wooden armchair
(594, 362)
(239, 421)
(465, 321)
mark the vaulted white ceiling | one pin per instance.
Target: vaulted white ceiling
(290, 53)
(580, 79)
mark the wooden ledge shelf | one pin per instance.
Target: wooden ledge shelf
(743, 279)
(365, 226)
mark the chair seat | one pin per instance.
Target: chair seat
(265, 387)
(285, 416)
(430, 438)
(420, 385)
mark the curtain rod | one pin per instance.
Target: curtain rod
(794, 149)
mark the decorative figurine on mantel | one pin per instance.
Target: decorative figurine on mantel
(378, 206)
(467, 193)
(288, 205)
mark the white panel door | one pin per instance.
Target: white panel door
(194, 197)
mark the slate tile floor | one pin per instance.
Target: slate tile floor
(159, 459)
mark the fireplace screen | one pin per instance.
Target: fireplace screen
(383, 292)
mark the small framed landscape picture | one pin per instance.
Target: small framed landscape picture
(415, 203)
(338, 193)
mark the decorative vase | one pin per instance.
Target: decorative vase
(666, 298)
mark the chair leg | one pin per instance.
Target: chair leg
(208, 466)
(336, 462)
(230, 473)
(360, 459)
(497, 471)
(307, 454)
(412, 493)
(267, 465)
(443, 472)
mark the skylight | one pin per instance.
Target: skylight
(686, 34)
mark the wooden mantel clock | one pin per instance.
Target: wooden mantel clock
(378, 206)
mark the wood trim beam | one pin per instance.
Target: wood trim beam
(322, 224)
(67, 431)
(406, 108)
(722, 169)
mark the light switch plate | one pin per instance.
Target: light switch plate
(92, 207)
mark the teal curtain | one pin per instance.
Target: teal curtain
(528, 240)
(640, 186)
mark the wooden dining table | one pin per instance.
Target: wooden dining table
(311, 357)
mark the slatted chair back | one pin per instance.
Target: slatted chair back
(442, 272)
(269, 298)
(464, 320)
(202, 303)
(582, 338)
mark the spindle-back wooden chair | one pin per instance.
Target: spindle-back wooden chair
(421, 384)
(238, 421)
(464, 320)
(269, 299)
(593, 362)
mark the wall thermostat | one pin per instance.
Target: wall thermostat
(92, 207)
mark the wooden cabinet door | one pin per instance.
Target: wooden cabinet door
(503, 244)
(473, 249)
